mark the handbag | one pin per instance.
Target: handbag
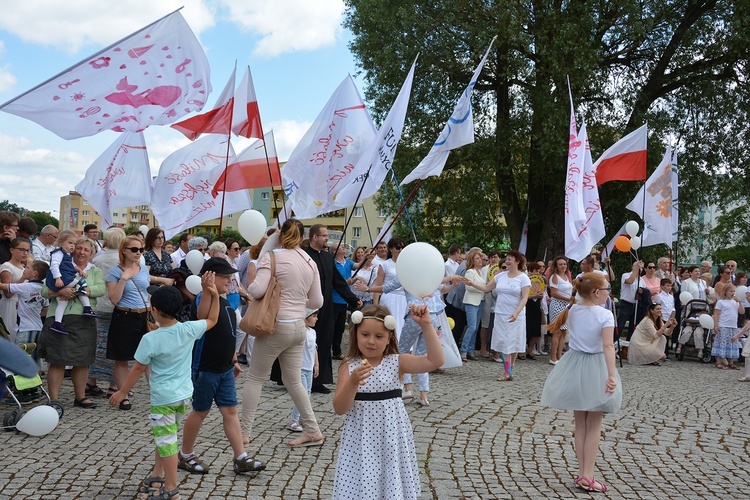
(151, 324)
(260, 318)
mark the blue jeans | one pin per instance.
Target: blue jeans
(473, 320)
(307, 377)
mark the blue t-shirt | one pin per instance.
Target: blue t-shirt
(345, 270)
(131, 299)
(168, 351)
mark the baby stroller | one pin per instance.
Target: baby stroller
(692, 333)
(17, 385)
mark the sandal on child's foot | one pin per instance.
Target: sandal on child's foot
(149, 487)
(125, 404)
(422, 402)
(733, 366)
(166, 495)
(596, 486)
(192, 464)
(407, 395)
(294, 427)
(307, 440)
(721, 366)
(579, 482)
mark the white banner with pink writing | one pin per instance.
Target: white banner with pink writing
(152, 77)
(119, 178)
(322, 163)
(182, 190)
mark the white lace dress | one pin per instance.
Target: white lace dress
(376, 455)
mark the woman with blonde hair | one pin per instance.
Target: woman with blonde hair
(560, 288)
(299, 281)
(126, 287)
(585, 380)
(473, 301)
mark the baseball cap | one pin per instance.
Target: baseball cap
(168, 300)
(310, 312)
(218, 266)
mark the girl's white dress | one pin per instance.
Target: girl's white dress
(376, 455)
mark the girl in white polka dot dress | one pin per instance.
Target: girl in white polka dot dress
(376, 456)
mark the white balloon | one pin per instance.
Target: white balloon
(143, 229)
(193, 284)
(706, 321)
(635, 242)
(252, 226)
(741, 291)
(420, 269)
(38, 421)
(632, 228)
(194, 260)
(686, 297)
(272, 242)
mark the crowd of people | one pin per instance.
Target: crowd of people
(108, 311)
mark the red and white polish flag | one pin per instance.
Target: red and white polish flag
(246, 112)
(152, 77)
(250, 169)
(625, 160)
(216, 121)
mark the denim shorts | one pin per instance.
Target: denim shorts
(209, 387)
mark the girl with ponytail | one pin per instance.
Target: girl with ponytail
(585, 380)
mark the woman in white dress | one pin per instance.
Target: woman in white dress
(11, 272)
(509, 329)
(395, 301)
(561, 289)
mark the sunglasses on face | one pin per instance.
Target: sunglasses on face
(650, 267)
(136, 249)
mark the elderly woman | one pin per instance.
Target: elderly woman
(126, 286)
(650, 338)
(102, 368)
(78, 348)
(158, 260)
(299, 281)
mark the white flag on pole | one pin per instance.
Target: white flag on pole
(675, 198)
(152, 77)
(656, 212)
(524, 243)
(574, 214)
(607, 251)
(120, 177)
(591, 228)
(378, 158)
(458, 132)
(184, 185)
(322, 163)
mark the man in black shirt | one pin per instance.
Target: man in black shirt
(330, 279)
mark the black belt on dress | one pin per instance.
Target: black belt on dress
(377, 396)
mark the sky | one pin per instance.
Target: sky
(296, 49)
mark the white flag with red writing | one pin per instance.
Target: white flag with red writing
(152, 77)
(251, 168)
(574, 214)
(246, 113)
(591, 228)
(376, 163)
(119, 178)
(216, 121)
(607, 250)
(321, 164)
(458, 132)
(656, 209)
(182, 191)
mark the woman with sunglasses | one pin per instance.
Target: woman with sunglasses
(126, 287)
(725, 278)
(158, 261)
(10, 272)
(651, 279)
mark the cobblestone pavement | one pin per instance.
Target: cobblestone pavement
(682, 432)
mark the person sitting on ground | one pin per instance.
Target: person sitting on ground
(650, 338)
(166, 351)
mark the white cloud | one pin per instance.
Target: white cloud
(74, 24)
(289, 25)
(7, 79)
(2, 47)
(287, 134)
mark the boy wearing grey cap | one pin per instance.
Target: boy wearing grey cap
(215, 369)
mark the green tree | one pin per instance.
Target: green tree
(42, 219)
(680, 65)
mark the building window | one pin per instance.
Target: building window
(383, 213)
(96, 213)
(85, 202)
(114, 214)
(357, 232)
(144, 207)
(85, 212)
(228, 228)
(84, 223)
(229, 217)
(358, 211)
(265, 196)
(354, 245)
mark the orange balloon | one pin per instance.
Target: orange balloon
(622, 243)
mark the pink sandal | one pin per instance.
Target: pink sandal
(592, 486)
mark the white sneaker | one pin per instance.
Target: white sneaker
(553, 363)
